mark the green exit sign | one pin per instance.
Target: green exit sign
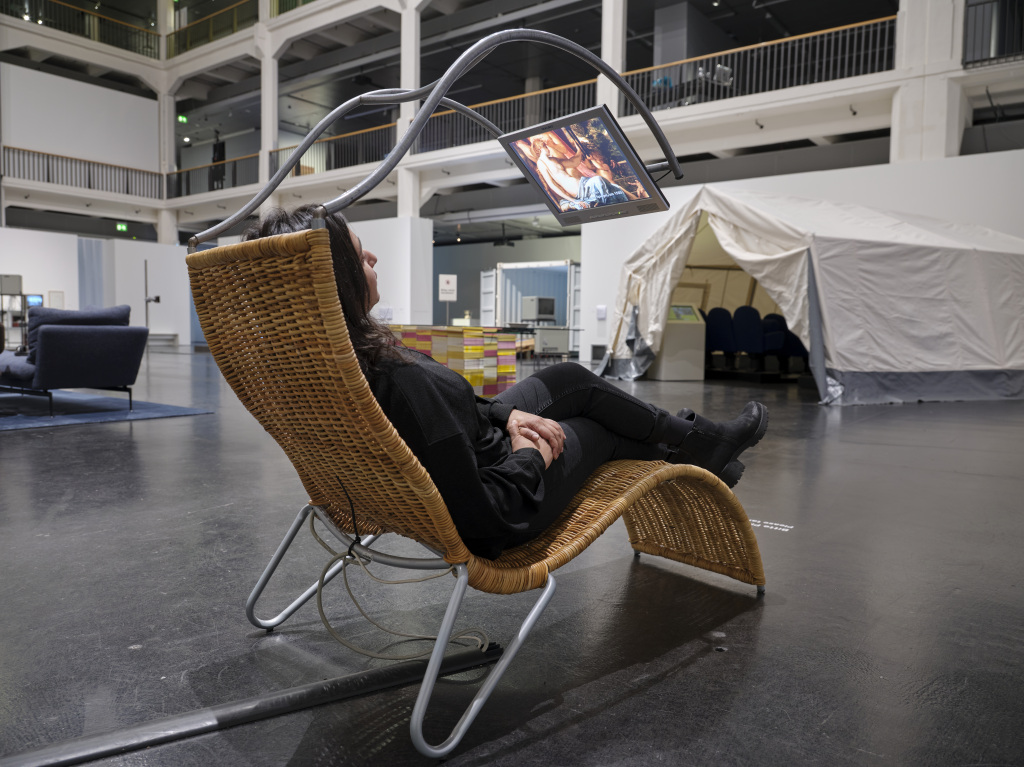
(182, 118)
(122, 227)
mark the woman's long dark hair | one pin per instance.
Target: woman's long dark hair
(371, 340)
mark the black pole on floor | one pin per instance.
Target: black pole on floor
(225, 715)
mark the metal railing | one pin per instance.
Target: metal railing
(213, 27)
(346, 150)
(993, 32)
(857, 49)
(447, 129)
(225, 174)
(29, 165)
(85, 23)
(277, 7)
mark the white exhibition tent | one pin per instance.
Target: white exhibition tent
(892, 307)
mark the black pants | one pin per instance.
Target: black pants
(601, 423)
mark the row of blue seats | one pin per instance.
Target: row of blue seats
(747, 332)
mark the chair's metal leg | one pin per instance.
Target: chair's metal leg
(250, 605)
(423, 699)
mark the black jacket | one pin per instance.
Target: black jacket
(492, 492)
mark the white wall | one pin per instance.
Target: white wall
(975, 189)
(168, 278)
(57, 115)
(468, 260)
(46, 261)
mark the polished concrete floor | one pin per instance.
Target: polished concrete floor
(892, 632)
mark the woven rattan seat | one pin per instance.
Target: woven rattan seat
(270, 311)
(273, 322)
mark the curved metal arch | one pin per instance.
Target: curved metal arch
(434, 96)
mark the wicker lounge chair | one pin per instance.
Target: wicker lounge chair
(273, 321)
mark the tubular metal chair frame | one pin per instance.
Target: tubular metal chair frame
(271, 315)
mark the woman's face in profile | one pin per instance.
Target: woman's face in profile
(368, 260)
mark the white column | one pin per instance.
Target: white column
(164, 23)
(167, 118)
(409, 67)
(167, 227)
(405, 267)
(613, 50)
(268, 112)
(409, 192)
(930, 110)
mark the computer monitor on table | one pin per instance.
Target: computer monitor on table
(585, 168)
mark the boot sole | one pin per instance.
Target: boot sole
(733, 470)
(731, 473)
(762, 427)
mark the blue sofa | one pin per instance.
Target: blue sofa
(88, 349)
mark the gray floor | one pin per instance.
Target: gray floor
(890, 633)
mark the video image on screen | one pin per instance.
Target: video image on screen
(580, 166)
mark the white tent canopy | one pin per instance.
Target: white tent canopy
(892, 307)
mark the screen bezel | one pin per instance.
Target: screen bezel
(654, 203)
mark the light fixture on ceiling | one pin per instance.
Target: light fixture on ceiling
(186, 139)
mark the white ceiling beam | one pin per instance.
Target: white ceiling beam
(305, 49)
(383, 20)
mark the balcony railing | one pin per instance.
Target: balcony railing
(277, 7)
(857, 49)
(346, 150)
(69, 171)
(213, 27)
(993, 32)
(225, 174)
(85, 23)
(448, 129)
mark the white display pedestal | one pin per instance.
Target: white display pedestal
(682, 348)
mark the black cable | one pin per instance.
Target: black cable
(224, 715)
(352, 511)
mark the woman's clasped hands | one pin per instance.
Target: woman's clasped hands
(543, 434)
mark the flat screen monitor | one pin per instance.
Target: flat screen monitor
(33, 300)
(585, 167)
(682, 313)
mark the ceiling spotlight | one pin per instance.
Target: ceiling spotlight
(715, 3)
(458, 239)
(187, 139)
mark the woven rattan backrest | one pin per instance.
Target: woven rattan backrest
(270, 311)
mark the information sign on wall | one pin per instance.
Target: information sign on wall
(446, 287)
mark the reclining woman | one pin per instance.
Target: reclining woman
(508, 466)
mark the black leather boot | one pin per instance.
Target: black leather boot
(717, 446)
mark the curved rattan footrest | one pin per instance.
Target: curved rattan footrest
(679, 512)
(696, 519)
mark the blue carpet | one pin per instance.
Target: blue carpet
(18, 411)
